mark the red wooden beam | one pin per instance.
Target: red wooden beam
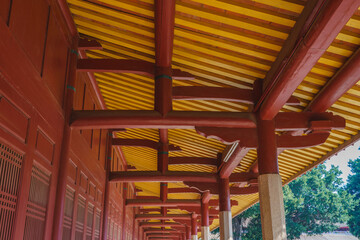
(164, 31)
(141, 143)
(157, 202)
(183, 190)
(157, 176)
(110, 119)
(89, 44)
(193, 160)
(219, 93)
(159, 224)
(346, 77)
(162, 217)
(306, 54)
(172, 202)
(214, 188)
(231, 162)
(126, 66)
(247, 138)
(213, 93)
(157, 230)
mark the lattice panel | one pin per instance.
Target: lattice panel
(97, 225)
(80, 218)
(68, 213)
(10, 167)
(89, 221)
(37, 203)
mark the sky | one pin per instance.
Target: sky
(342, 158)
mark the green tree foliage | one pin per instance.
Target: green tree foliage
(353, 187)
(314, 203)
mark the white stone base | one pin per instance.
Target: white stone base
(226, 232)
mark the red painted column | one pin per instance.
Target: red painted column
(65, 148)
(225, 210)
(267, 150)
(107, 186)
(205, 231)
(194, 227)
(123, 235)
(188, 232)
(270, 185)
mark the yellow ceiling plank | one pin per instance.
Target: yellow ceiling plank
(114, 40)
(226, 5)
(186, 47)
(287, 5)
(227, 34)
(125, 26)
(110, 12)
(221, 43)
(203, 13)
(115, 32)
(131, 7)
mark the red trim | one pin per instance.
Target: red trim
(326, 27)
(267, 148)
(224, 195)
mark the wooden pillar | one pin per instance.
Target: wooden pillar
(205, 231)
(194, 227)
(107, 186)
(225, 217)
(123, 232)
(65, 148)
(188, 232)
(270, 186)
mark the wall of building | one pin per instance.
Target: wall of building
(36, 46)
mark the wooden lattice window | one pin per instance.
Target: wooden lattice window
(97, 225)
(89, 221)
(10, 167)
(80, 218)
(37, 203)
(68, 213)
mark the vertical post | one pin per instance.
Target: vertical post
(188, 232)
(107, 186)
(123, 232)
(270, 186)
(226, 232)
(205, 231)
(65, 147)
(194, 226)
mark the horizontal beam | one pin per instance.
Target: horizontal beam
(160, 224)
(339, 84)
(157, 176)
(214, 188)
(141, 143)
(162, 217)
(110, 119)
(126, 66)
(193, 160)
(172, 203)
(212, 211)
(247, 138)
(176, 176)
(306, 53)
(158, 202)
(86, 44)
(219, 93)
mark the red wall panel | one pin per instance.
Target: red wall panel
(56, 60)
(28, 22)
(4, 10)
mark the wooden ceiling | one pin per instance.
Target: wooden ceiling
(223, 43)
